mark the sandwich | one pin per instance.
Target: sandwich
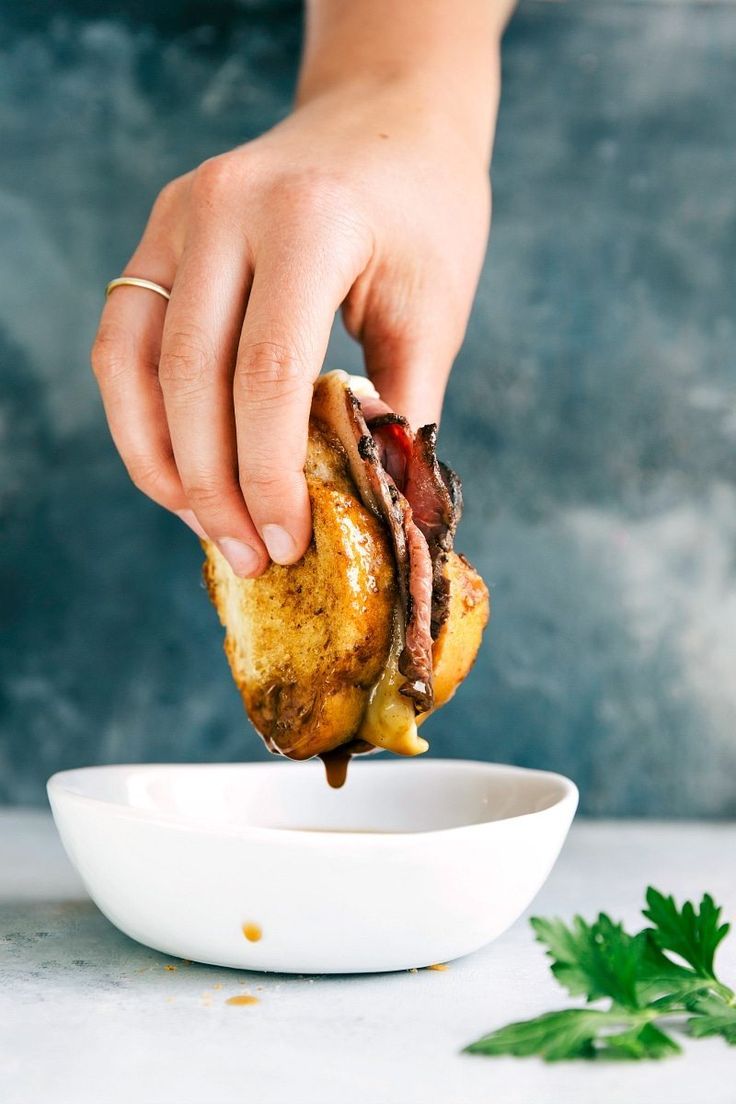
(349, 650)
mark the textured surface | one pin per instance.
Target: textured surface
(591, 412)
(87, 1015)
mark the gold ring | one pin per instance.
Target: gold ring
(136, 281)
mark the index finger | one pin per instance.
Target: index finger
(294, 297)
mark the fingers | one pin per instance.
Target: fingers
(208, 401)
(408, 375)
(298, 286)
(200, 341)
(408, 357)
(125, 360)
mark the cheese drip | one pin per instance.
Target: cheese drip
(389, 720)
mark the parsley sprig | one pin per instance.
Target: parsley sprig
(665, 970)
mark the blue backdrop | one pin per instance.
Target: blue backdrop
(591, 413)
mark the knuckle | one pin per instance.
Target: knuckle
(311, 192)
(153, 479)
(207, 493)
(320, 207)
(212, 178)
(186, 359)
(110, 352)
(269, 371)
(168, 197)
(266, 482)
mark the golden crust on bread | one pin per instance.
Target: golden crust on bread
(458, 641)
(307, 643)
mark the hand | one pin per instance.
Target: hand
(369, 198)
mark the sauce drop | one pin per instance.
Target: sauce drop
(252, 932)
(438, 966)
(242, 998)
(336, 764)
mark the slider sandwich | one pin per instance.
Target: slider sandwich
(350, 649)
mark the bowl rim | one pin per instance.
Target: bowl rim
(58, 786)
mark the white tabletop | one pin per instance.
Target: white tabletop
(90, 1017)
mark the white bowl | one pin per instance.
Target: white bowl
(411, 863)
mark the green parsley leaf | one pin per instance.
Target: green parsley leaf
(714, 1016)
(553, 1036)
(578, 1033)
(595, 960)
(639, 978)
(693, 935)
(661, 980)
(645, 1041)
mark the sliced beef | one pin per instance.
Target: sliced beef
(415, 661)
(395, 441)
(400, 479)
(455, 490)
(433, 491)
(414, 573)
(440, 594)
(335, 404)
(434, 508)
(373, 407)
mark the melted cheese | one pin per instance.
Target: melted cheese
(389, 720)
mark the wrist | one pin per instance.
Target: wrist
(399, 100)
(428, 59)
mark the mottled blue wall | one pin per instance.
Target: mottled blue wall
(592, 412)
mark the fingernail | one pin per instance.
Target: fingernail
(243, 559)
(280, 544)
(189, 518)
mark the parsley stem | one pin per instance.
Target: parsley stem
(726, 994)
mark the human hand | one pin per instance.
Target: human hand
(370, 198)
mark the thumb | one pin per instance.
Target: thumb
(408, 360)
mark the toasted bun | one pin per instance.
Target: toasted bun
(459, 638)
(306, 643)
